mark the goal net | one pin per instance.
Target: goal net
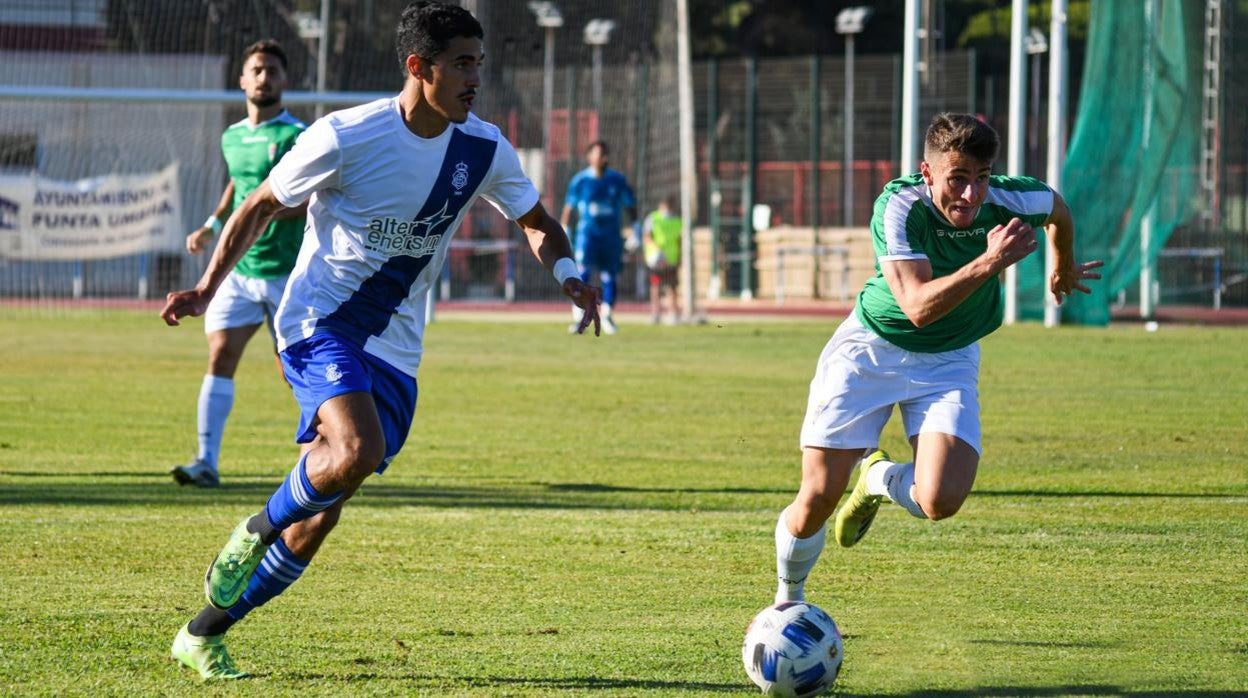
(111, 116)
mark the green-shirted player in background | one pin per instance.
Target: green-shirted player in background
(661, 233)
(942, 237)
(251, 293)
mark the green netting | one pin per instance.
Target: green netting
(1135, 145)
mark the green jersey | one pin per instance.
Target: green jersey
(665, 231)
(906, 226)
(250, 152)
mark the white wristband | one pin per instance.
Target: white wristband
(565, 269)
(214, 223)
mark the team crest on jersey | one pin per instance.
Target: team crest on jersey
(272, 152)
(332, 374)
(459, 180)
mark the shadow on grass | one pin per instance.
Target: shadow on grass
(110, 488)
(161, 475)
(592, 683)
(130, 489)
(569, 683)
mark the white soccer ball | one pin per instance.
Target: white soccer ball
(792, 649)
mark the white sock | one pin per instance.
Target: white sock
(577, 313)
(895, 481)
(795, 558)
(216, 399)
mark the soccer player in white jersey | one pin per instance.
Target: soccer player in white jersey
(942, 236)
(388, 183)
(253, 289)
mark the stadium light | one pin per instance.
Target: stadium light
(850, 21)
(598, 34)
(548, 18)
(547, 13)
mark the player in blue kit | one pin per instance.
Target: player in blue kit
(599, 196)
(388, 183)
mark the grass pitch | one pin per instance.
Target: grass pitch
(595, 517)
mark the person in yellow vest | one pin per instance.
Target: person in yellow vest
(661, 242)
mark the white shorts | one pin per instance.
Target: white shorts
(861, 376)
(242, 301)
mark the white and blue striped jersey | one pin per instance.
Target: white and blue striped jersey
(384, 205)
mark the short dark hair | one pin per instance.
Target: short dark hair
(268, 46)
(606, 150)
(426, 28)
(962, 133)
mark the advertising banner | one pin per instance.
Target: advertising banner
(111, 216)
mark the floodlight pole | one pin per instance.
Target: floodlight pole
(1037, 45)
(847, 175)
(597, 34)
(849, 22)
(548, 18)
(597, 76)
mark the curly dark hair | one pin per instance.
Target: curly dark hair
(425, 29)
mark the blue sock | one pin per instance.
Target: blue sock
(608, 288)
(278, 570)
(296, 499)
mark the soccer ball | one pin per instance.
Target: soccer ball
(792, 649)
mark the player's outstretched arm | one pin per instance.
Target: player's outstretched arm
(1068, 275)
(550, 244)
(240, 232)
(199, 238)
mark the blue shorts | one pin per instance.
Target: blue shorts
(601, 252)
(325, 365)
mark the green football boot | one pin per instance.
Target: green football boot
(206, 655)
(856, 514)
(228, 575)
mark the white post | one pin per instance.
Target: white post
(688, 162)
(1057, 136)
(1147, 282)
(910, 88)
(1018, 116)
(1146, 269)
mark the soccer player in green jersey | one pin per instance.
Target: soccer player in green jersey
(942, 236)
(661, 241)
(253, 289)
